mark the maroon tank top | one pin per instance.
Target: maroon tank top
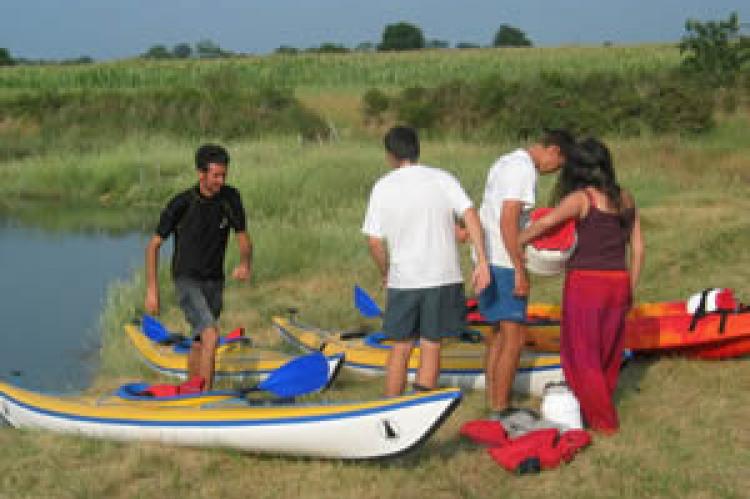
(602, 239)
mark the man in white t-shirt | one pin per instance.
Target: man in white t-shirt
(509, 196)
(410, 224)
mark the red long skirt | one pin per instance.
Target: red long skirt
(595, 304)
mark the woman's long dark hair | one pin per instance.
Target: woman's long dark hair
(589, 164)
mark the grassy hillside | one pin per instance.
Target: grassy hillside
(355, 70)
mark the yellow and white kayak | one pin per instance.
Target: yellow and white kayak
(354, 430)
(461, 362)
(233, 360)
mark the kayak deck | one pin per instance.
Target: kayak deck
(350, 430)
(461, 363)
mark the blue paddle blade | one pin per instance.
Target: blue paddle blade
(153, 329)
(365, 303)
(301, 375)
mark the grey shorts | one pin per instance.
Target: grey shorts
(430, 313)
(200, 301)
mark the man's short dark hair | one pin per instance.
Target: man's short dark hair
(561, 138)
(210, 153)
(402, 142)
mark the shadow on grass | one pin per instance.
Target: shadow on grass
(631, 376)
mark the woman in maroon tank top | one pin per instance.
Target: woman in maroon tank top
(599, 281)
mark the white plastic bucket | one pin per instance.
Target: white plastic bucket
(561, 407)
(547, 262)
(547, 254)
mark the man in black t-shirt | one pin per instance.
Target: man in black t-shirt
(200, 219)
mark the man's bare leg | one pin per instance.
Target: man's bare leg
(194, 359)
(209, 340)
(493, 346)
(396, 368)
(509, 356)
(429, 363)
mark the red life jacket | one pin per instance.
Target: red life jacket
(546, 448)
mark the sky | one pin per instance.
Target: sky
(114, 29)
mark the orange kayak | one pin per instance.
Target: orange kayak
(657, 328)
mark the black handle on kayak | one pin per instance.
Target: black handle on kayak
(700, 311)
(353, 334)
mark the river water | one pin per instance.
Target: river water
(52, 291)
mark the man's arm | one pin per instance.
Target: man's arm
(379, 256)
(151, 302)
(480, 278)
(509, 229)
(244, 269)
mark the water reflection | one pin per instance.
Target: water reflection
(79, 219)
(53, 283)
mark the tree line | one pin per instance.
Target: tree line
(6, 59)
(407, 36)
(204, 49)
(716, 47)
(398, 36)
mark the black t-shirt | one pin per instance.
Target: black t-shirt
(201, 228)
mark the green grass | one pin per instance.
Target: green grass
(682, 432)
(326, 71)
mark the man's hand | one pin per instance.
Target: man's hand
(480, 278)
(522, 285)
(242, 272)
(152, 302)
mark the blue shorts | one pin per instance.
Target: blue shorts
(497, 301)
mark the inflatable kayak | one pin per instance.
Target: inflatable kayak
(653, 328)
(234, 359)
(711, 324)
(461, 361)
(355, 430)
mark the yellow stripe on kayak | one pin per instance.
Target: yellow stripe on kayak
(232, 357)
(453, 355)
(116, 408)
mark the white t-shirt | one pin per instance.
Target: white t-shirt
(512, 177)
(414, 209)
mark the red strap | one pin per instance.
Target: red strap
(236, 334)
(161, 390)
(193, 385)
